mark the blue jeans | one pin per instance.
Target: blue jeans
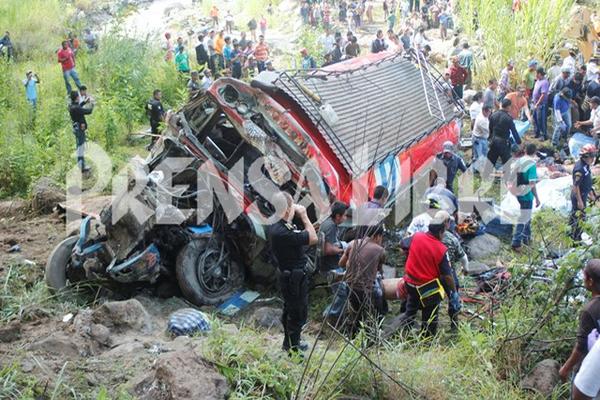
(73, 74)
(541, 121)
(522, 233)
(480, 148)
(561, 129)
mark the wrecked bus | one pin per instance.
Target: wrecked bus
(322, 134)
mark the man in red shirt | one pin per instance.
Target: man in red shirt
(67, 61)
(261, 53)
(427, 261)
(458, 77)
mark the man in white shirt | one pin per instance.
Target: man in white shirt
(481, 134)
(594, 120)
(587, 382)
(328, 41)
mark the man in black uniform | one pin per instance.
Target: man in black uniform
(582, 189)
(288, 245)
(503, 134)
(156, 113)
(201, 53)
(78, 113)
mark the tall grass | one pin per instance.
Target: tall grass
(534, 32)
(121, 76)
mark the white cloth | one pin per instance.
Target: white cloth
(595, 118)
(481, 127)
(420, 223)
(587, 379)
(475, 110)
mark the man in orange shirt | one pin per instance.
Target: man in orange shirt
(214, 14)
(261, 53)
(219, 45)
(519, 104)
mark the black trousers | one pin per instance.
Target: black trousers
(576, 220)
(429, 313)
(294, 289)
(499, 148)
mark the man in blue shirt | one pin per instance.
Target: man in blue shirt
(562, 115)
(30, 82)
(307, 61)
(452, 162)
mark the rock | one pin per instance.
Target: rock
(45, 195)
(476, 267)
(124, 349)
(11, 332)
(100, 334)
(267, 318)
(123, 315)
(180, 375)
(483, 246)
(56, 344)
(27, 365)
(543, 378)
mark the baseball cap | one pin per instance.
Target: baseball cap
(440, 217)
(532, 63)
(565, 69)
(448, 146)
(511, 62)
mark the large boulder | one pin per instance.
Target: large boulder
(543, 378)
(123, 315)
(267, 318)
(45, 195)
(482, 247)
(182, 375)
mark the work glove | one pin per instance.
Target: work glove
(454, 300)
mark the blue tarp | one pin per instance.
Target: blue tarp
(577, 141)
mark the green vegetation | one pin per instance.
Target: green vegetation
(534, 32)
(121, 76)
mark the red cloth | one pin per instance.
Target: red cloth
(424, 256)
(458, 75)
(65, 58)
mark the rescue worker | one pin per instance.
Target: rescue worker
(452, 162)
(582, 189)
(363, 259)
(156, 114)
(288, 246)
(78, 112)
(427, 275)
(502, 134)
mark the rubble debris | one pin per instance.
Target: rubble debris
(14, 249)
(180, 375)
(482, 247)
(57, 344)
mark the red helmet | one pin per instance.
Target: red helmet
(588, 149)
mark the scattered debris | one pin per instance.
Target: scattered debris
(121, 315)
(238, 302)
(14, 249)
(45, 195)
(67, 318)
(482, 247)
(188, 321)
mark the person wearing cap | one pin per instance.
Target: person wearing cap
(504, 82)
(30, 82)
(561, 81)
(458, 77)
(522, 184)
(594, 120)
(503, 134)
(452, 162)
(427, 265)
(562, 115)
(583, 189)
(529, 77)
(308, 62)
(554, 71)
(539, 101)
